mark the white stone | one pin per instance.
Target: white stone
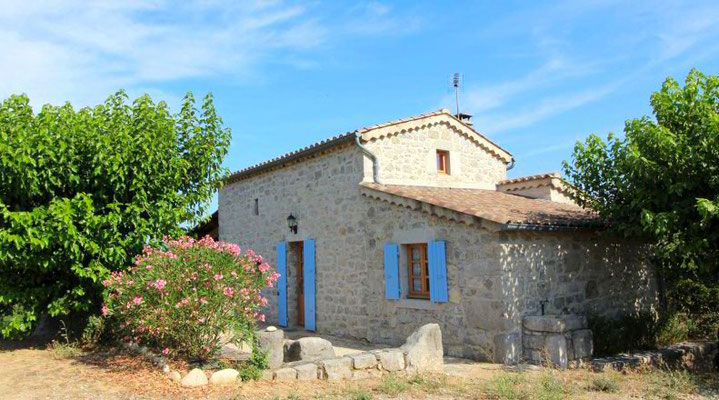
(271, 328)
(424, 349)
(196, 377)
(285, 374)
(338, 368)
(226, 376)
(309, 349)
(392, 360)
(363, 360)
(306, 372)
(175, 376)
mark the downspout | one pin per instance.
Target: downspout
(375, 166)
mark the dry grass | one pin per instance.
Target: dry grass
(113, 374)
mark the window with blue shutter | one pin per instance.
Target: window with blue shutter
(437, 271)
(308, 260)
(391, 271)
(282, 284)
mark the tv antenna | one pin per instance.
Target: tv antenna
(456, 82)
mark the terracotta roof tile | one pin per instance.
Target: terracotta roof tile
(554, 174)
(498, 207)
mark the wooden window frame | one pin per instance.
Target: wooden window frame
(424, 271)
(443, 162)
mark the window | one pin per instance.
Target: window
(257, 207)
(443, 162)
(417, 271)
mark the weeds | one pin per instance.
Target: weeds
(393, 386)
(604, 383)
(65, 348)
(551, 388)
(507, 386)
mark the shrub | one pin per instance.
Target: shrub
(625, 333)
(183, 297)
(603, 383)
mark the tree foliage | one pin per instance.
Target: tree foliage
(661, 181)
(81, 192)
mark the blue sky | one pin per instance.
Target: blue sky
(537, 75)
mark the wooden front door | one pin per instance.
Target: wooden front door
(300, 286)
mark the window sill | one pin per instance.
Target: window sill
(418, 304)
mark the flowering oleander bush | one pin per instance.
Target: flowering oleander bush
(181, 298)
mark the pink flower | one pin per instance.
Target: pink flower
(193, 276)
(203, 300)
(234, 274)
(105, 310)
(262, 317)
(160, 284)
(264, 267)
(165, 351)
(218, 277)
(137, 301)
(229, 292)
(148, 267)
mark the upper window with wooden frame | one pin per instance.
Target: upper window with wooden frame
(418, 271)
(443, 162)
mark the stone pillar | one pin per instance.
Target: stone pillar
(272, 341)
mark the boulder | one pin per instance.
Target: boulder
(363, 360)
(306, 372)
(226, 376)
(267, 374)
(194, 378)
(391, 360)
(309, 349)
(285, 374)
(424, 349)
(338, 368)
(273, 343)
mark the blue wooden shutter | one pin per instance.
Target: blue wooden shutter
(282, 284)
(391, 271)
(309, 284)
(437, 272)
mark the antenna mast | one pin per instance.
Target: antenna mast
(455, 83)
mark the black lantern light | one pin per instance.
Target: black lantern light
(292, 223)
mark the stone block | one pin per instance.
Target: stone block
(309, 349)
(273, 343)
(338, 368)
(392, 360)
(533, 341)
(363, 360)
(544, 323)
(267, 374)
(424, 349)
(555, 348)
(507, 348)
(306, 372)
(582, 344)
(284, 374)
(365, 374)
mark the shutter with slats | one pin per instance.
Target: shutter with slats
(282, 284)
(437, 271)
(309, 284)
(391, 271)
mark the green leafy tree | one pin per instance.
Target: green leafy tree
(661, 181)
(81, 192)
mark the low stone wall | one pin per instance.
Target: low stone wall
(694, 356)
(562, 340)
(422, 352)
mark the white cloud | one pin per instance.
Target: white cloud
(81, 51)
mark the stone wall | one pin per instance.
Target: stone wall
(495, 278)
(410, 158)
(323, 194)
(557, 340)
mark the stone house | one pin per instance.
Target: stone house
(381, 230)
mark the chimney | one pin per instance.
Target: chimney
(465, 118)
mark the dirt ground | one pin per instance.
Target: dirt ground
(40, 373)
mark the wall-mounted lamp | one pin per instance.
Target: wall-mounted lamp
(292, 223)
